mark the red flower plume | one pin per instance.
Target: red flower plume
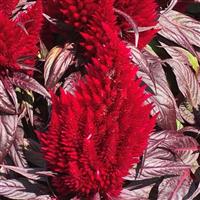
(32, 19)
(96, 135)
(7, 6)
(18, 39)
(78, 14)
(144, 15)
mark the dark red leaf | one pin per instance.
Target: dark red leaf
(71, 81)
(57, 63)
(8, 125)
(28, 83)
(6, 105)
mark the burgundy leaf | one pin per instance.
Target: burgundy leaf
(57, 63)
(20, 189)
(188, 26)
(44, 197)
(197, 192)
(16, 151)
(187, 81)
(11, 91)
(139, 59)
(190, 129)
(27, 83)
(30, 173)
(168, 153)
(175, 188)
(182, 34)
(176, 53)
(139, 194)
(8, 125)
(6, 105)
(186, 112)
(71, 81)
(163, 98)
(33, 154)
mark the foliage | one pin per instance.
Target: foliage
(73, 121)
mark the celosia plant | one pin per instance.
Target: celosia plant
(18, 38)
(96, 135)
(8, 6)
(96, 99)
(143, 13)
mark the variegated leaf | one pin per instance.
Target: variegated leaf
(188, 26)
(28, 83)
(187, 81)
(20, 189)
(30, 173)
(168, 153)
(175, 188)
(179, 33)
(8, 125)
(71, 81)
(57, 63)
(6, 105)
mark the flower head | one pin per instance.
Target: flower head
(77, 14)
(8, 6)
(144, 15)
(96, 134)
(18, 39)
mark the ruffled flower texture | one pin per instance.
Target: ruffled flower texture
(18, 39)
(97, 134)
(8, 6)
(78, 14)
(144, 15)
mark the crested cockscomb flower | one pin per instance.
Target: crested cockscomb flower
(32, 19)
(96, 134)
(18, 40)
(143, 14)
(78, 15)
(8, 6)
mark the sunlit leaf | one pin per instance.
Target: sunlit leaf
(187, 81)
(16, 151)
(30, 173)
(181, 29)
(28, 83)
(20, 189)
(6, 105)
(8, 125)
(168, 153)
(71, 81)
(141, 194)
(186, 112)
(179, 125)
(57, 63)
(162, 98)
(175, 188)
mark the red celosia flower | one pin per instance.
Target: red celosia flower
(18, 40)
(144, 15)
(8, 6)
(32, 19)
(96, 135)
(78, 14)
